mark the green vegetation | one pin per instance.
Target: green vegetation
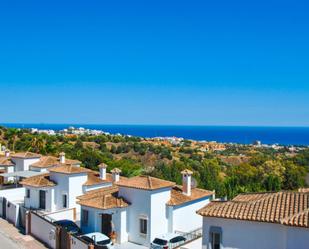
(259, 169)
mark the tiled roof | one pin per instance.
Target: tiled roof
(145, 182)
(68, 169)
(6, 161)
(178, 197)
(103, 198)
(287, 208)
(93, 180)
(26, 155)
(38, 181)
(102, 165)
(50, 161)
(187, 172)
(116, 170)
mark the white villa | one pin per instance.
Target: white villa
(257, 221)
(16, 166)
(58, 189)
(140, 208)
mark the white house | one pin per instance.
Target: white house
(6, 166)
(47, 162)
(58, 189)
(140, 208)
(257, 221)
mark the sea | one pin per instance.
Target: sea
(226, 134)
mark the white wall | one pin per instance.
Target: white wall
(297, 238)
(245, 234)
(119, 219)
(77, 243)
(22, 164)
(150, 204)
(61, 215)
(159, 216)
(71, 185)
(13, 194)
(38, 169)
(179, 223)
(34, 201)
(97, 186)
(140, 206)
(43, 231)
(12, 211)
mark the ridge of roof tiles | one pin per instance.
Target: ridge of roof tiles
(284, 207)
(145, 183)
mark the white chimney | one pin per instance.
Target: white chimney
(116, 174)
(7, 153)
(102, 168)
(186, 181)
(62, 157)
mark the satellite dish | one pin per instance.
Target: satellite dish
(193, 183)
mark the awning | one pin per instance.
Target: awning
(25, 174)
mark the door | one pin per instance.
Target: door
(106, 224)
(42, 204)
(1, 177)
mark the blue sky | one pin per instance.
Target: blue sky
(155, 62)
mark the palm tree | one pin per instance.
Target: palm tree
(37, 144)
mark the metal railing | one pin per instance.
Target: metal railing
(189, 236)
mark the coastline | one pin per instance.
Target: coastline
(223, 134)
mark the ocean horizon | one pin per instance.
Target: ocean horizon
(224, 134)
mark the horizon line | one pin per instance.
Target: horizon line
(194, 125)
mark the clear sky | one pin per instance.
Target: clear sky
(155, 62)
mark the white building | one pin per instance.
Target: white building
(58, 189)
(30, 162)
(258, 221)
(140, 208)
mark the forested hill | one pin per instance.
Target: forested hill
(236, 169)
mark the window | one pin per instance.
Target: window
(215, 237)
(64, 201)
(27, 193)
(143, 225)
(85, 217)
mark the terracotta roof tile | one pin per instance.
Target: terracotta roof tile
(288, 208)
(102, 165)
(68, 169)
(116, 170)
(51, 161)
(145, 182)
(178, 197)
(103, 198)
(6, 161)
(93, 179)
(38, 181)
(26, 155)
(187, 172)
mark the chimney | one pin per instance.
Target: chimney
(116, 174)
(186, 181)
(62, 157)
(7, 153)
(102, 168)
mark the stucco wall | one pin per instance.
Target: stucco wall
(34, 200)
(140, 206)
(244, 234)
(43, 230)
(71, 185)
(119, 219)
(159, 215)
(188, 210)
(297, 238)
(23, 163)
